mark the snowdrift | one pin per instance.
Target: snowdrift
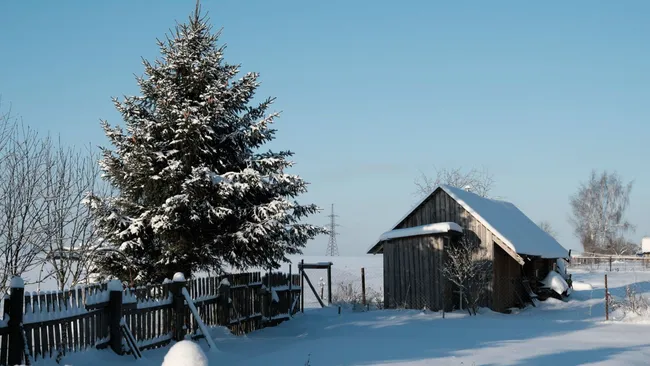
(185, 353)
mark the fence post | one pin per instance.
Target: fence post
(610, 263)
(223, 316)
(178, 306)
(290, 292)
(16, 340)
(301, 269)
(606, 299)
(269, 296)
(363, 285)
(329, 284)
(115, 315)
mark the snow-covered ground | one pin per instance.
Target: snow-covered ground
(559, 333)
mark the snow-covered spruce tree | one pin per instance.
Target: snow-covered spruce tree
(195, 191)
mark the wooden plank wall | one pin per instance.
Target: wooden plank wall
(412, 277)
(507, 280)
(441, 207)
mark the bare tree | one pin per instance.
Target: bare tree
(70, 175)
(22, 204)
(548, 228)
(477, 181)
(466, 269)
(621, 246)
(43, 221)
(7, 126)
(598, 210)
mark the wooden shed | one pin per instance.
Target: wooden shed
(522, 254)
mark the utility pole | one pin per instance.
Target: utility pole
(332, 247)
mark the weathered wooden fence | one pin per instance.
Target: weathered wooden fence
(52, 324)
(613, 263)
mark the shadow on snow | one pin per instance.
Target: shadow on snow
(409, 335)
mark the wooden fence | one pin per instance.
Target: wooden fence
(615, 263)
(51, 324)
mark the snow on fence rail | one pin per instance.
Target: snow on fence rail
(615, 263)
(60, 322)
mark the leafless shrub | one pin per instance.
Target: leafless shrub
(346, 293)
(470, 273)
(632, 304)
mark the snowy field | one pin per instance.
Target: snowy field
(559, 333)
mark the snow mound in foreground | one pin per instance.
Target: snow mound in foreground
(555, 282)
(185, 353)
(581, 286)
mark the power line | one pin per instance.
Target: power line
(332, 247)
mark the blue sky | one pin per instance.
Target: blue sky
(373, 93)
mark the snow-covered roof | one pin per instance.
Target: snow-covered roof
(437, 228)
(429, 229)
(505, 221)
(511, 225)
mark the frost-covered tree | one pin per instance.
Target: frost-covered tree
(194, 189)
(598, 211)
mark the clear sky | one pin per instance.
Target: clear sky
(374, 92)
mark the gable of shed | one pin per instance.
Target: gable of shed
(440, 228)
(440, 206)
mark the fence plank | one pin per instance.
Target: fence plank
(86, 328)
(4, 343)
(67, 329)
(29, 313)
(74, 330)
(49, 307)
(36, 331)
(56, 304)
